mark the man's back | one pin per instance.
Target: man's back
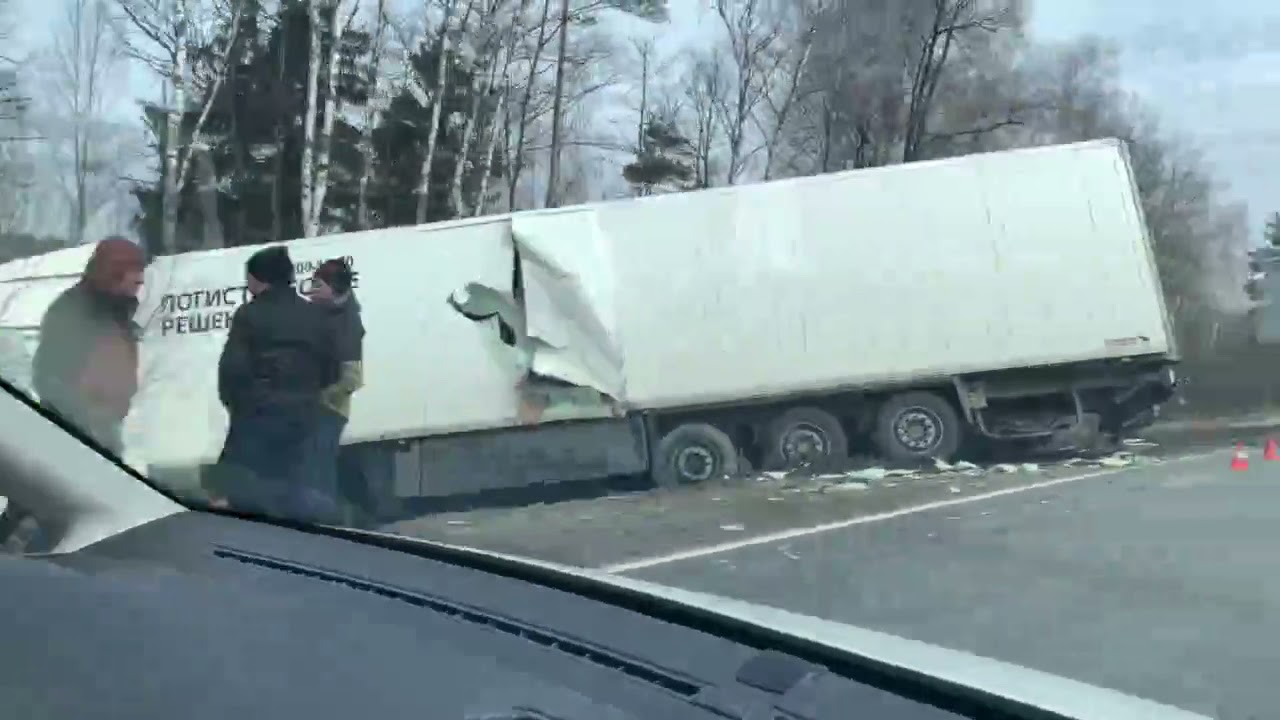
(280, 352)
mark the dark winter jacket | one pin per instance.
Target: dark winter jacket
(86, 365)
(348, 329)
(281, 352)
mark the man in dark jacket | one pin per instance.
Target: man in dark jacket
(331, 290)
(85, 367)
(279, 356)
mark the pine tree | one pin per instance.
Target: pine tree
(255, 137)
(663, 160)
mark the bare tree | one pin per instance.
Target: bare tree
(84, 60)
(852, 99)
(652, 10)
(374, 106)
(13, 103)
(493, 42)
(160, 35)
(780, 78)
(321, 67)
(553, 171)
(586, 72)
(520, 122)
(645, 52)
(453, 24)
(752, 33)
(944, 24)
(498, 120)
(15, 161)
(705, 92)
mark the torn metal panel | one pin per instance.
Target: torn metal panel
(480, 303)
(568, 290)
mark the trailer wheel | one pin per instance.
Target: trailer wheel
(802, 436)
(917, 426)
(693, 453)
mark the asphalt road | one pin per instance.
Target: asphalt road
(1157, 575)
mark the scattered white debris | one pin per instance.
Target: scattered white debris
(958, 466)
(872, 473)
(941, 472)
(1116, 461)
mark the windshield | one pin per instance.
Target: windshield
(938, 317)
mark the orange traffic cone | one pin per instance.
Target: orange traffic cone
(1272, 451)
(1240, 459)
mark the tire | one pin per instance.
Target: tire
(693, 453)
(782, 445)
(926, 412)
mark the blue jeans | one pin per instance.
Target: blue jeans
(317, 486)
(263, 459)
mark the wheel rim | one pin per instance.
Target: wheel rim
(918, 429)
(696, 463)
(803, 443)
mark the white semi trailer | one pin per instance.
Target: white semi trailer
(1001, 297)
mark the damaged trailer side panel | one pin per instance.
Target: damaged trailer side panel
(568, 294)
(446, 354)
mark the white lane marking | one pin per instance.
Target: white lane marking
(717, 548)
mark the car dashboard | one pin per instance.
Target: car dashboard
(206, 616)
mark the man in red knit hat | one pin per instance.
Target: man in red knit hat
(85, 367)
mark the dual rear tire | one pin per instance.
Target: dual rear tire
(909, 428)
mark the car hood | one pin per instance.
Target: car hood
(1051, 693)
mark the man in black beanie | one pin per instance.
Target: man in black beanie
(280, 354)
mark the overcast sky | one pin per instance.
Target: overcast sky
(1210, 70)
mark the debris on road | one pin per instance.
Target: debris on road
(967, 473)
